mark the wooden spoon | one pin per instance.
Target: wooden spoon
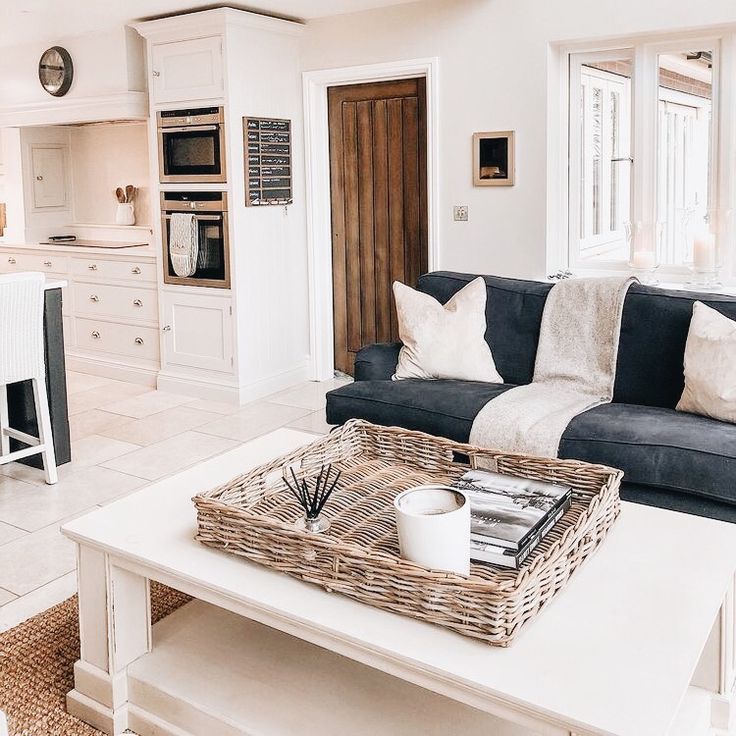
(120, 195)
(129, 193)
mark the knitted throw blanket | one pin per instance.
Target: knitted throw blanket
(575, 369)
(183, 244)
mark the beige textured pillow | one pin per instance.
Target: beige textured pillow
(710, 365)
(444, 341)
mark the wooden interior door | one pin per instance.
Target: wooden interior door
(378, 167)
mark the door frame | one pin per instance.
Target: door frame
(319, 209)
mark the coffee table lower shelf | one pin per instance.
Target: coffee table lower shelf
(212, 671)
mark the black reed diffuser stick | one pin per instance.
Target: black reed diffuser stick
(313, 501)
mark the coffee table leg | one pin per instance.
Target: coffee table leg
(114, 629)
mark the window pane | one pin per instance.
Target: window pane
(603, 166)
(683, 147)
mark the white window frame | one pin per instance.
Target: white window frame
(645, 83)
(575, 64)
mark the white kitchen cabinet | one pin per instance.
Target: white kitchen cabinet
(198, 331)
(49, 176)
(187, 70)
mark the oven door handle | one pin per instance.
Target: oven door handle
(188, 128)
(196, 216)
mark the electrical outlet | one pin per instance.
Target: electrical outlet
(460, 212)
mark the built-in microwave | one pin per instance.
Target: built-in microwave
(209, 209)
(191, 145)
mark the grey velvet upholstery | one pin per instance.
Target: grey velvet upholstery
(670, 459)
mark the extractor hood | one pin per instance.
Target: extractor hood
(109, 81)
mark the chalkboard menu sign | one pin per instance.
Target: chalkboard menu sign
(267, 161)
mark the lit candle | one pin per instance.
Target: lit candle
(643, 260)
(704, 251)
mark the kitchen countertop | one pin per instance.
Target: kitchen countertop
(110, 248)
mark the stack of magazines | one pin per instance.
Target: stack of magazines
(510, 516)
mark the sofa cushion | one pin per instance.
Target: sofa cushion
(651, 349)
(654, 446)
(444, 408)
(657, 447)
(513, 316)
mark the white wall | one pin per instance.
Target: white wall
(104, 157)
(493, 76)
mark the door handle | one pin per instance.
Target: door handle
(166, 328)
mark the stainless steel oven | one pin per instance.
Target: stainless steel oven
(210, 213)
(191, 145)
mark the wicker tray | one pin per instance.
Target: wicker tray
(253, 515)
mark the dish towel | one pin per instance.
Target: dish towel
(575, 369)
(183, 243)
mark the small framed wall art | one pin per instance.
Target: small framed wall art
(493, 159)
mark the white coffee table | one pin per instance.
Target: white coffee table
(640, 643)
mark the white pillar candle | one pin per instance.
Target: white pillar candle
(434, 527)
(643, 260)
(704, 251)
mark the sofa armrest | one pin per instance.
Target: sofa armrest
(377, 362)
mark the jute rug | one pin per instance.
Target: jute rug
(36, 667)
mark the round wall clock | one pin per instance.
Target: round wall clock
(56, 71)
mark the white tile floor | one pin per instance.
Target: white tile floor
(123, 437)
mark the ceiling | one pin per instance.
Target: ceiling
(28, 21)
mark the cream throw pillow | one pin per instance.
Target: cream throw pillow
(710, 365)
(444, 341)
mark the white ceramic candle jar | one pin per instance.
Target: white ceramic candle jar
(433, 522)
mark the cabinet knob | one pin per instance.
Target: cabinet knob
(96, 335)
(156, 73)
(138, 341)
(166, 328)
(135, 270)
(94, 298)
(11, 259)
(92, 267)
(137, 303)
(47, 263)
(39, 178)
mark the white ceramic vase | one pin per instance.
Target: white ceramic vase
(433, 522)
(125, 214)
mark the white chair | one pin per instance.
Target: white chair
(22, 359)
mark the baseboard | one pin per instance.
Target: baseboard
(96, 367)
(198, 388)
(228, 393)
(273, 384)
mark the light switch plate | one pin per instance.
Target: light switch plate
(460, 212)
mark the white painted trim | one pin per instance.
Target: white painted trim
(64, 111)
(319, 228)
(111, 369)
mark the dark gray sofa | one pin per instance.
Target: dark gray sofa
(670, 459)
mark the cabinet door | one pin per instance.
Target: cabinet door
(187, 70)
(197, 332)
(48, 175)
